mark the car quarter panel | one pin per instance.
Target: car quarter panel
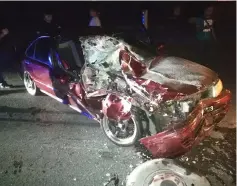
(41, 74)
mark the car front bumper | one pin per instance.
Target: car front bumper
(199, 124)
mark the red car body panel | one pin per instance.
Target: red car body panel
(157, 89)
(117, 108)
(40, 73)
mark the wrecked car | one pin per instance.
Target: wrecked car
(166, 103)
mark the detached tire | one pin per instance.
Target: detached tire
(164, 172)
(30, 85)
(113, 130)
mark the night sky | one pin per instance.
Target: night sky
(21, 13)
(22, 18)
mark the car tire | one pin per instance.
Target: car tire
(30, 85)
(125, 142)
(164, 172)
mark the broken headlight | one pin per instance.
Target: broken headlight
(216, 89)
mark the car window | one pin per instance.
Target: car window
(68, 51)
(42, 50)
(31, 51)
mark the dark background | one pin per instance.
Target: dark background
(76, 14)
(22, 18)
(55, 146)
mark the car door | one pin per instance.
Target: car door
(49, 75)
(28, 63)
(40, 64)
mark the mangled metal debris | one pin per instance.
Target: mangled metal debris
(160, 93)
(169, 104)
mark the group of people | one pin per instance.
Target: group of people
(205, 33)
(195, 37)
(46, 27)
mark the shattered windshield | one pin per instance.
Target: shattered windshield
(102, 57)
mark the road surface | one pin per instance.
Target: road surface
(43, 142)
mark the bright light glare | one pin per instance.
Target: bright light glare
(217, 88)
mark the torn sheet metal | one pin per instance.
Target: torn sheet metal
(160, 87)
(180, 137)
(103, 53)
(112, 65)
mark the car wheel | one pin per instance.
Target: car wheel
(30, 84)
(124, 133)
(164, 172)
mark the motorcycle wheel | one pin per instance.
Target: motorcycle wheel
(124, 133)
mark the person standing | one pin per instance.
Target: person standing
(95, 20)
(204, 25)
(205, 34)
(48, 27)
(3, 56)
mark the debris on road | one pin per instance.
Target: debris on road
(113, 178)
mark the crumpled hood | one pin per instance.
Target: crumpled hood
(180, 74)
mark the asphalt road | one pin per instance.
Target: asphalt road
(43, 142)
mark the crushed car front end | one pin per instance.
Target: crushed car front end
(173, 102)
(180, 101)
(186, 122)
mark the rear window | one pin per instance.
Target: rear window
(42, 50)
